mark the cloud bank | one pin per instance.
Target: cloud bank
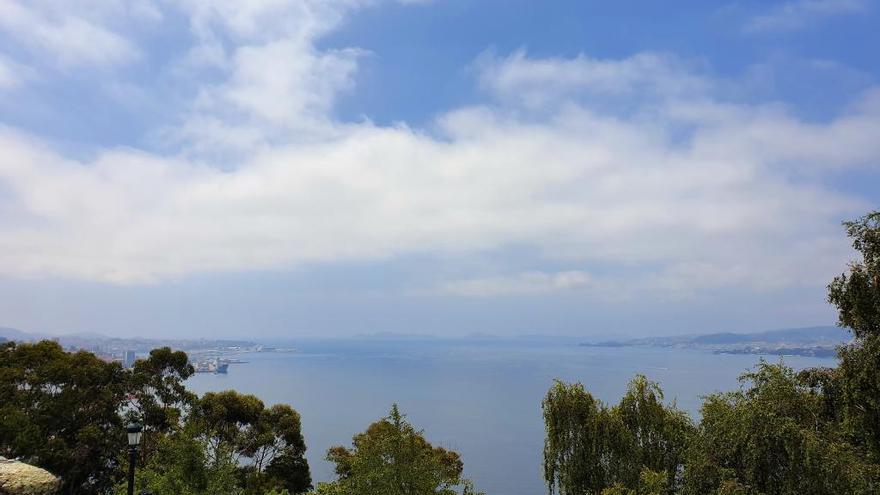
(638, 165)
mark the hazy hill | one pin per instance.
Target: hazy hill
(15, 334)
(788, 335)
(813, 341)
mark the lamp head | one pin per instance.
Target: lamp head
(134, 431)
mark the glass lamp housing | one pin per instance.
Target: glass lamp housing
(135, 430)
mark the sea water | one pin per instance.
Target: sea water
(480, 398)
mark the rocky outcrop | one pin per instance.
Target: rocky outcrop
(18, 478)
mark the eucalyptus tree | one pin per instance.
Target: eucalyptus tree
(59, 411)
(267, 443)
(158, 389)
(157, 395)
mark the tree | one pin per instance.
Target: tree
(65, 412)
(859, 382)
(857, 294)
(769, 438)
(157, 384)
(393, 458)
(59, 411)
(229, 444)
(223, 420)
(268, 441)
(590, 448)
(581, 442)
(857, 297)
(656, 435)
(650, 483)
(180, 466)
(157, 395)
(276, 448)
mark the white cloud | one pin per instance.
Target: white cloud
(580, 187)
(282, 83)
(72, 35)
(536, 82)
(267, 20)
(799, 14)
(276, 84)
(526, 283)
(684, 188)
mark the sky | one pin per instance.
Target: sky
(300, 168)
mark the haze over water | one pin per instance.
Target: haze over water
(481, 398)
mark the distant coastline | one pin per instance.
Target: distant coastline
(203, 353)
(820, 341)
(817, 341)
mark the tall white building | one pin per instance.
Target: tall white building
(128, 359)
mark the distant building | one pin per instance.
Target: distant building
(128, 359)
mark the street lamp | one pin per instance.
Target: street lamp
(134, 430)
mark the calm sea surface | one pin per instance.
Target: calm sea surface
(482, 399)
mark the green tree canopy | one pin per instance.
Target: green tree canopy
(59, 410)
(857, 297)
(180, 466)
(393, 458)
(157, 385)
(650, 483)
(65, 412)
(769, 438)
(267, 442)
(857, 293)
(813, 432)
(590, 448)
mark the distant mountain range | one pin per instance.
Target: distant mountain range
(809, 341)
(22, 336)
(15, 334)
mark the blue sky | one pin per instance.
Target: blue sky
(306, 168)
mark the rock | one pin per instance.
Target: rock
(18, 478)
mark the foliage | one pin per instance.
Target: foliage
(813, 432)
(656, 435)
(59, 411)
(581, 441)
(231, 443)
(769, 438)
(590, 448)
(857, 294)
(859, 382)
(179, 465)
(393, 458)
(158, 389)
(775, 435)
(857, 297)
(65, 412)
(158, 398)
(650, 483)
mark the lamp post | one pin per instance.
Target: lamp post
(134, 439)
